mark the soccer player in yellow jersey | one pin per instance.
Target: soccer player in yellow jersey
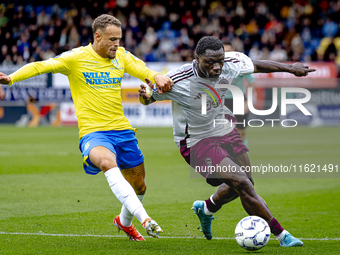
(107, 140)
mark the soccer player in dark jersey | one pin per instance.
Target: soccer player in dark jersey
(204, 144)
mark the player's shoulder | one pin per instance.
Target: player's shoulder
(122, 50)
(80, 50)
(184, 72)
(234, 57)
(234, 60)
(123, 53)
(73, 53)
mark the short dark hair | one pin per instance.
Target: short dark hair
(103, 21)
(208, 43)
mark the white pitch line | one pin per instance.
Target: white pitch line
(28, 153)
(165, 237)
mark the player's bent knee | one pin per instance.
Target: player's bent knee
(140, 188)
(106, 164)
(241, 184)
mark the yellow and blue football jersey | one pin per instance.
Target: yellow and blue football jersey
(95, 84)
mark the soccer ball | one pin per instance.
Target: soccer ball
(252, 233)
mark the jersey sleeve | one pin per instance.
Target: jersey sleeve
(178, 92)
(136, 68)
(161, 97)
(174, 94)
(165, 96)
(63, 63)
(60, 64)
(240, 62)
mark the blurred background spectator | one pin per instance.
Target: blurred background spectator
(299, 30)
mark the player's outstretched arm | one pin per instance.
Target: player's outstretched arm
(144, 97)
(268, 66)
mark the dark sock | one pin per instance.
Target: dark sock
(211, 207)
(275, 227)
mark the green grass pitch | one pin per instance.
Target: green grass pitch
(48, 205)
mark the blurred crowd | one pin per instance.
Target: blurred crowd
(299, 30)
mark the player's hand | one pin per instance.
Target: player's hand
(142, 90)
(163, 83)
(299, 70)
(4, 79)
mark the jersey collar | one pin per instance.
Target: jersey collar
(194, 68)
(95, 54)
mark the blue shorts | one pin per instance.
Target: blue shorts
(123, 143)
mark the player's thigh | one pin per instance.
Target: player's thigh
(135, 176)
(98, 152)
(103, 158)
(243, 160)
(232, 175)
(129, 154)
